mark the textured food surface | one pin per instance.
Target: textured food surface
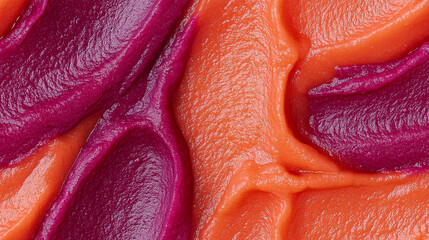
(367, 109)
(76, 58)
(79, 64)
(375, 33)
(242, 107)
(382, 211)
(131, 179)
(124, 196)
(28, 189)
(230, 109)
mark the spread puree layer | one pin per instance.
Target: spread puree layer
(128, 181)
(78, 57)
(368, 109)
(244, 107)
(28, 189)
(131, 179)
(254, 175)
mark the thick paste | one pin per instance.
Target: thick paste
(375, 117)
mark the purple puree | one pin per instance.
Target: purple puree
(375, 117)
(11, 41)
(129, 181)
(76, 58)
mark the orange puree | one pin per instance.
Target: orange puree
(388, 211)
(230, 110)
(253, 178)
(10, 10)
(28, 188)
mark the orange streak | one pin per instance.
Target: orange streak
(10, 10)
(27, 189)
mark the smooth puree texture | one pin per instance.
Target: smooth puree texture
(367, 109)
(9, 13)
(132, 179)
(78, 57)
(382, 211)
(28, 188)
(250, 170)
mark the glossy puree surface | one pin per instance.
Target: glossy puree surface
(243, 109)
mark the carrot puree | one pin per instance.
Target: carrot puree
(28, 188)
(389, 211)
(10, 10)
(254, 179)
